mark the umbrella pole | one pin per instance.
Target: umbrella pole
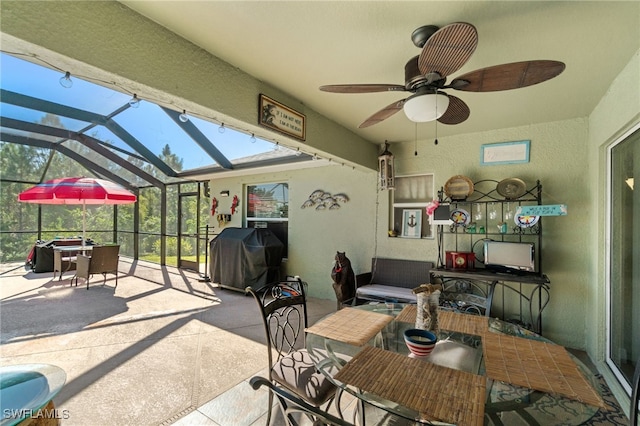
(84, 219)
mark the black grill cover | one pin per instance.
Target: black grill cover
(242, 257)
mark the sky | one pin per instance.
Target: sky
(148, 123)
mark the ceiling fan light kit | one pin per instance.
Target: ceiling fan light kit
(444, 51)
(423, 108)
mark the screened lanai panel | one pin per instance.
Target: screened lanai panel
(38, 81)
(22, 163)
(150, 125)
(17, 217)
(94, 108)
(33, 116)
(62, 166)
(30, 135)
(125, 217)
(127, 153)
(231, 143)
(106, 136)
(172, 219)
(96, 158)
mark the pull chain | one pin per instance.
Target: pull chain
(436, 141)
(415, 152)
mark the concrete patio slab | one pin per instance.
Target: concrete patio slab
(162, 347)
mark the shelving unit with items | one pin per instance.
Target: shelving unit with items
(409, 199)
(484, 220)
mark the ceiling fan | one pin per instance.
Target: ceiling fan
(444, 51)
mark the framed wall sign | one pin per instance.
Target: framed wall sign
(412, 223)
(274, 115)
(505, 153)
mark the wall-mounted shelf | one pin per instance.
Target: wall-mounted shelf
(411, 194)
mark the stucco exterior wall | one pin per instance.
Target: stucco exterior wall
(315, 236)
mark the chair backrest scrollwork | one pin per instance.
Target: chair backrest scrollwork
(283, 308)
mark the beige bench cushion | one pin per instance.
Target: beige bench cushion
(386, 292)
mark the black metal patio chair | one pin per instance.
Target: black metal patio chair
(291, 404)
(283, 308)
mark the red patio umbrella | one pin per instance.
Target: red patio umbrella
(77, 190)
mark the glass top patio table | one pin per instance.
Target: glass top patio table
(505, 403)
(26, 389)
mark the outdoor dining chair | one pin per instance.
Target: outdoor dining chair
(103, 260)
(283, 308)
(292, 404)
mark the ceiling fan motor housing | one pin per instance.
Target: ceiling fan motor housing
(414, 79)
(412, 74)
(420, 35)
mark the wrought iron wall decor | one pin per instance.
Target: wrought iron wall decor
(322, 200)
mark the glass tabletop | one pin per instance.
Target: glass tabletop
(505, 403)
(26, 388)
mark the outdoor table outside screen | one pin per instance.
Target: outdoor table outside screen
(72, 248)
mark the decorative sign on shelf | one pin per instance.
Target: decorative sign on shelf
(274, 115)
(505, 153)
(411, 223)
(549, 210)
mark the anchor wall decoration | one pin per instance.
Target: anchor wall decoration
(411, 223)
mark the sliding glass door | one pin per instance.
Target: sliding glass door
(623, 284)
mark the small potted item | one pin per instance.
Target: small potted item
(420, 342)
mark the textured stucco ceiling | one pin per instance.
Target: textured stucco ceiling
(298, 46)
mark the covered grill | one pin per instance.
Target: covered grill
(242, 257)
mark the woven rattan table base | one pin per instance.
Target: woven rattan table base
(536, 365)
(351, 325)
(437, 393)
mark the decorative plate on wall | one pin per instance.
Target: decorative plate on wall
(526, 221)
(511, 188)
(458, 187)
(460, 217)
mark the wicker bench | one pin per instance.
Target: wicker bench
(392, 280)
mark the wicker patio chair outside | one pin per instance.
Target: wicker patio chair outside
(62, 263)
(103, 260)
